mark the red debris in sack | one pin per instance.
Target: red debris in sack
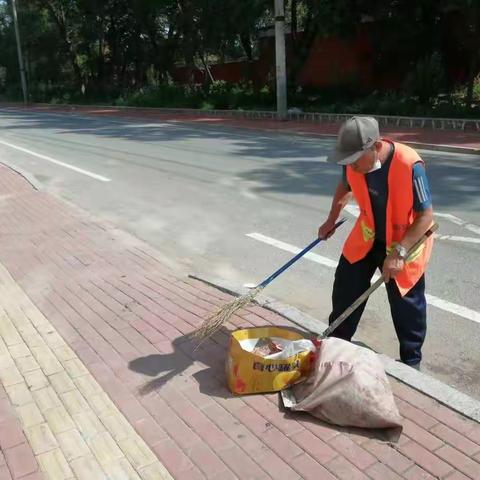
(266, 346)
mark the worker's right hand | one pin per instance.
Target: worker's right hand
(327, 229)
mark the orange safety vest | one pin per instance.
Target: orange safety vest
(400, 216)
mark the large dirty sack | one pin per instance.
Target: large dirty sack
(348, 387)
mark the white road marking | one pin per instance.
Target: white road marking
(437, 302)
(57, 162)
(458, 221)
(451, 307)
(293, 249)
(354, 211)
(455, 238)
(248, 194)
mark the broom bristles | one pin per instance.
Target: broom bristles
(217, 319)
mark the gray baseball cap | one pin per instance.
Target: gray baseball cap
(356, 135)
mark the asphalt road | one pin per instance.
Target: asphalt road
(232, 203)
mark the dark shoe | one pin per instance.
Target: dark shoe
(416, 366)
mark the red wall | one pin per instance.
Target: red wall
(332, 61)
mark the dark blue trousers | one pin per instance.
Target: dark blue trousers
(409, 313)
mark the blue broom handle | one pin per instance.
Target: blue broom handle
(272, 277)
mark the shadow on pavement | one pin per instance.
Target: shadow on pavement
(211, 379)
(287, 164)
(185, 352)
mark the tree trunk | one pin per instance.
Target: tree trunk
(470, 87)
(247, 45)
(114, 60)
(301, 52)
(59, 19)
(101, 64)
(293, 14)
(188, 30)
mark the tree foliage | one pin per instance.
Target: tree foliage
(101, 49)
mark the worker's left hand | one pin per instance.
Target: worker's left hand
(392, 266)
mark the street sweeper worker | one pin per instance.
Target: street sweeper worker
(388, 181)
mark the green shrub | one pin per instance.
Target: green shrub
(245, 96)
(476, 89)
(427, 79)
(218, 94)
(207, 106)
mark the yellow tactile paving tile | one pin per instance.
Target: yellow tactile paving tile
(74, 429)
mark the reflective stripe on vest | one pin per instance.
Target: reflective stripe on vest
(399, 216)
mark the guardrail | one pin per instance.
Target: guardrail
(432, 123)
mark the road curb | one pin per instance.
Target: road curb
(431, 123)
(36, 184)
(416, 145)
(444, 148)
(292, 131)
(420, 381)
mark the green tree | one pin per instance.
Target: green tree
(465, 32)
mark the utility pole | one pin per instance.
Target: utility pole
(19, 51)
(281, 69)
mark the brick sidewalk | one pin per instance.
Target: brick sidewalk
(449, 138)
(122, 320)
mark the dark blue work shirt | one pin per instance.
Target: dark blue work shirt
(377, 184)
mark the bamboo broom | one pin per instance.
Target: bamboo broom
(216, 320)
